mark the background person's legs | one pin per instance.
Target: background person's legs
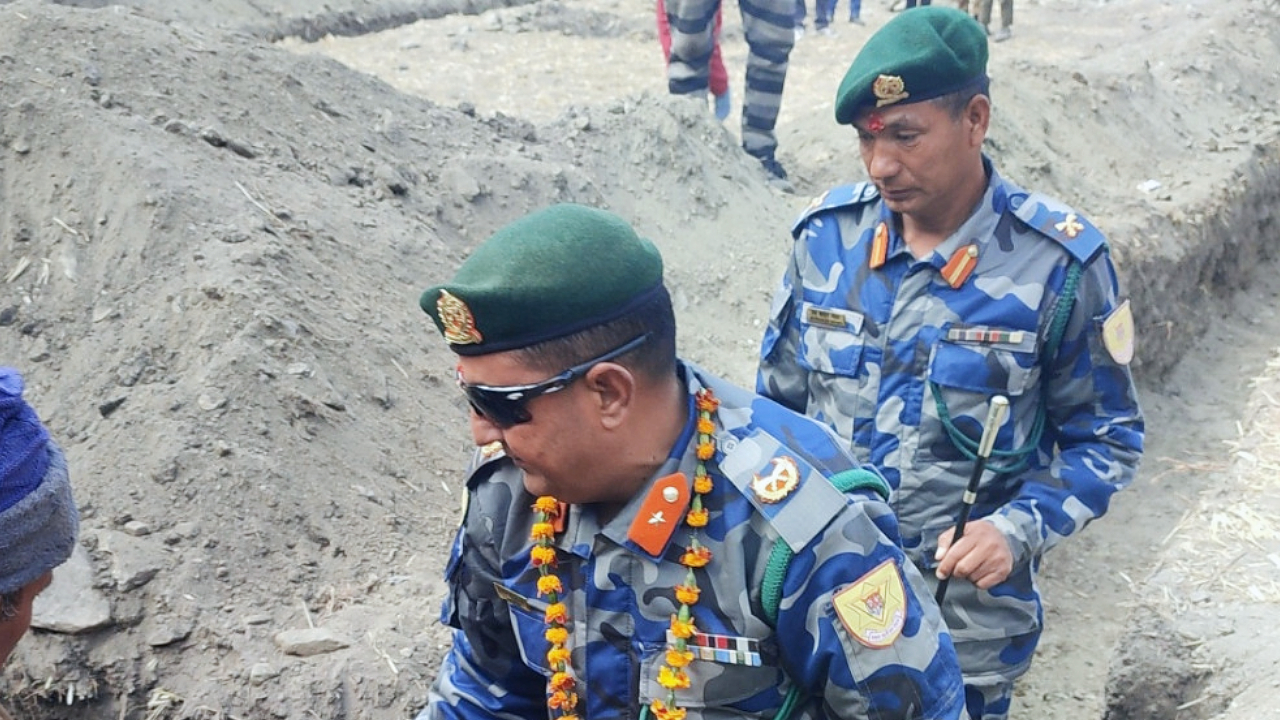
(768, 26)
(691, 23)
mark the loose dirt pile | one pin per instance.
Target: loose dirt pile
(213, 246)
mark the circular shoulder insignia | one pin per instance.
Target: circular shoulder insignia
(874, 608)
(459, 324)
(780, 481)
(889, 89)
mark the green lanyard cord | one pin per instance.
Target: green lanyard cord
(1018, 458)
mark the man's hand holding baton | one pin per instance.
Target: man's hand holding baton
(986, 559)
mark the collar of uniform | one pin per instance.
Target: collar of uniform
(978, 228)
(682, 459)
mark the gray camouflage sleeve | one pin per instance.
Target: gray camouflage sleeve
(779, 375)
(1095, 422)
(864, 633)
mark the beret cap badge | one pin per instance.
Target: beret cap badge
(459, 324)
(889, 89)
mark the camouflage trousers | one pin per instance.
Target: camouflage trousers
(990, 669)
(768, 27)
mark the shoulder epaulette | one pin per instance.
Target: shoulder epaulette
(484, 456)
(842, 196)
(796, 498)
(1060, 223)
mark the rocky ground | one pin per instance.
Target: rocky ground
(212, 240)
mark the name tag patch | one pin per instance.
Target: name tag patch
(825, 317)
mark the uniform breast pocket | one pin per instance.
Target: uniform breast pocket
(833, 348)
(731, 687)
(528, 619)
(830, 340)
(962, 380)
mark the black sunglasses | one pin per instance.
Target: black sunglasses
(505, 406)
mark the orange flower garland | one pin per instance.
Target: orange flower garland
(673, 675)
(560, 689)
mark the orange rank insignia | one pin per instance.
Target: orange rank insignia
(459, 324)
(660, 513)
(1118, 334)
(879, 246)
(780, 481)
(957, 269)
(1069, 226)
(874, 608)
(889, 89)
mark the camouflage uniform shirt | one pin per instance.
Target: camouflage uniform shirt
(883, 346)
(620, 597)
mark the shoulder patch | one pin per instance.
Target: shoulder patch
(841, 196)
(873, 609)
(791, 494)
(1060, 223)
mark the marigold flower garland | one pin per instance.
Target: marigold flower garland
(673, 675)
(560, 689)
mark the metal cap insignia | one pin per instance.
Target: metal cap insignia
(459, 325)
(889, 89)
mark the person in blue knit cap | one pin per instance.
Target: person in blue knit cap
(38, 517)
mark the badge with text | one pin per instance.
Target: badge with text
(1117, 334)
(780, 481)
(825, 318)
(874, 608)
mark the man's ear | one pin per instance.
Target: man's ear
(977, 119)
(613, 389)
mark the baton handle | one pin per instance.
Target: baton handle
(995, 417)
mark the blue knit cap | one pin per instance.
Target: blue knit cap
(38, 516)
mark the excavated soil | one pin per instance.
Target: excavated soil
(215, 219)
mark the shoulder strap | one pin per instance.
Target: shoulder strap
(1060, 223)
(840, 196)
(780, 558)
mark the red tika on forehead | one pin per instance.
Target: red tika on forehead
(875, 123)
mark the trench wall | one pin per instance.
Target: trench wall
(1202, 258)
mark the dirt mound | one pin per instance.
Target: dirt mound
(212, 250)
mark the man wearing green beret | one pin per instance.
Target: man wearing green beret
(639, 535)
(912, 300)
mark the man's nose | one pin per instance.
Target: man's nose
(483, 431)
(881, 162)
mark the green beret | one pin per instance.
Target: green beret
(920, 54)
(547, 275)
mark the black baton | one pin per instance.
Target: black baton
(995, 416)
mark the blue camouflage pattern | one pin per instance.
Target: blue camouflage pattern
(621, 598)
(863, 350)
